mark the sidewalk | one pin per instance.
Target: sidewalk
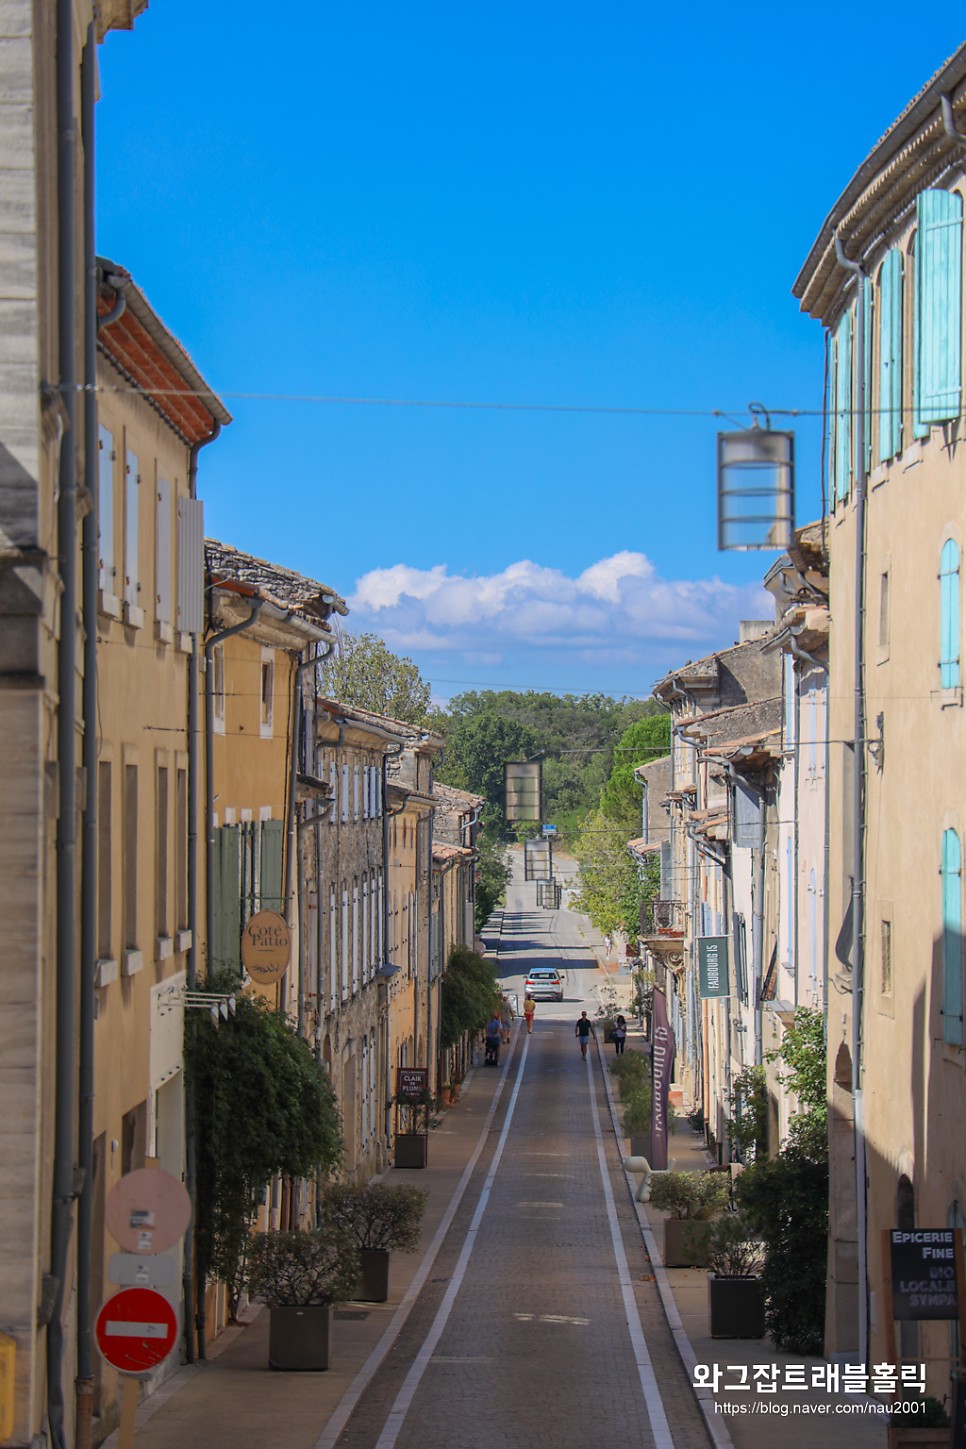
(684, 1292)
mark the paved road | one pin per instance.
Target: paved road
(542, 1324)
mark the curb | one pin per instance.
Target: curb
(716, 1426)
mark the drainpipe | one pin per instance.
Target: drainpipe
(84, 1379)
(64, 1186)
(191, 959)
(858, 808)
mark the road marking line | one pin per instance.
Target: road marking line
(343, 1410)
(404, 1399)
(645, 1369)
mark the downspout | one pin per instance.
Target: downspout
(84, 1379)
(64, 1186)
(858, 806)
(191, 958)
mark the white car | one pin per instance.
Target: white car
(544, 984)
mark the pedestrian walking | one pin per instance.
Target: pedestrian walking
(608, 944)
(494, 1035)
(506, 1017)
(529, 1011)
(582, 1031)
(619, 1036)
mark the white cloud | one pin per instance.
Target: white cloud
(617, 612)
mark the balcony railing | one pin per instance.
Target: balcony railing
(663, 918)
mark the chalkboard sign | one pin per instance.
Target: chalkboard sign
(412, 1082)
(924, 1273)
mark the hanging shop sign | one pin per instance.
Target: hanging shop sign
(266, 947)
(713, 966)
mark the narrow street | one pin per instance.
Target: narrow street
(541, 1322)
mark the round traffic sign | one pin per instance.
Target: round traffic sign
(148, 1210)
(136, 1329)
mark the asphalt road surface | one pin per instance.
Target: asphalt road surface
(542, 1324)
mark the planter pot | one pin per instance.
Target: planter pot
(298, 1338)
(412, 1149)
(373, 1286)
(684, 1242)
(737, 1307)
(909, 1436)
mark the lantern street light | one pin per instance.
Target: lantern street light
(756, 486)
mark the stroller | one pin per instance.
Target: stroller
(491, 1053)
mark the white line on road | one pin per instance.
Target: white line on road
(645, 1369)
(407, 1393)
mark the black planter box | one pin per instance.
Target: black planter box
(737, 1307)
(412, 1149)
(686, 1242)
(298, 1338)
(373, 1285)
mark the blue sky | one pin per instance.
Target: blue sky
(516, 204)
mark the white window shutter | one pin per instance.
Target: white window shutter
(105, 510)
(162, 553)
(191, 565)
(132, 483)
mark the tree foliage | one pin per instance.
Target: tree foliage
(470, 994)
(364, 672)
(263, 1105)
(493, 877)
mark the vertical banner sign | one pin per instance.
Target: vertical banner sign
(713, 966)
(662, 1068)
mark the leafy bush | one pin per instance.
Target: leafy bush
(636, 1105)
(690, 1194)
(470, 994)
(378, 1214)
(630, 1067)
(786, 1198)
(294, 1270)
(932, 1416)
(748, 1125)
(732, 1248)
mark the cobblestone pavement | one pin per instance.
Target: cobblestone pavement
(537, 1345)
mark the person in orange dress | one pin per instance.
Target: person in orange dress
(529, 1010)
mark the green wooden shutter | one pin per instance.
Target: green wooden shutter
(843, 407)
(949, 615)
(224, 950)
(270, 878)
(939, 269)
(890, 356)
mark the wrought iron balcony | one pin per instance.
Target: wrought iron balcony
(663, 918)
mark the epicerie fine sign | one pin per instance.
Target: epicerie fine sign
(924, 1273)
(266, 947)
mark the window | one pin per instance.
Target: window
(355, 792)
(105, 864)
(191, 565)
(218, 688)
(885, 957)
(132, 484)
(161, 852)
(181, 849)
(345, 941)
(344, 812)
(105, 510)
(129, 858)
(952, 907)
(162, 553)
(939, 267)
(949, 615)
(884, 610)
(355, 936)
(333, 951)
(267, 693)
(741, 956)
(841, 451)
(890, 356)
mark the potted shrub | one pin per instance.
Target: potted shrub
(735, 1255)
(380, 1217)
(691, 1199)
(412, 1129)
(299, 1276)
(636, 1104)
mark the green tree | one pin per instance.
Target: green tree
(363, 672)
(477, 747)
(493, 877)
(643, 742)
(470, 993)
(263, 1105)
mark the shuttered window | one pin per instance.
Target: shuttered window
(345, 941)
(132, 484)
(333, 945)
(842, 440)
(939, 272)
(224, 949)
(162, 553)
(272, 897)
(949, 675)
(191, 565)
(105, 510)
(867, 322)
(952, 904)
(890, 356)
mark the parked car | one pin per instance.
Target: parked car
(544, 984)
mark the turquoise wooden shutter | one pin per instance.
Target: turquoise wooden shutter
(949, 615)
(866, 301)
(952, 939)
(224, 950)
(939, 253)
(843, 407)
(270, 880)
(890, 356)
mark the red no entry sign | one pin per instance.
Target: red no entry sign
(136, 1330)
